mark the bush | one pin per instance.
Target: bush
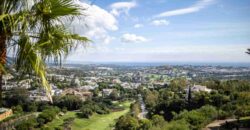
(27, 125)
(173, 125)
(177, 125)
(145, 124)
(198, 118)
(67, 122)
(85, 112)
(48, 114)
(71, 102)
(58, 128)
(32, 107)
(64, 110)
(40, 121)
(42, 106)
(127, 123)
(90, 107)
(17, 109)
(158, 120)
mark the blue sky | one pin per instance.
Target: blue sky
(164, 31)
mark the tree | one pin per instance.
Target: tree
(27, 125)
(145, 124)
(189, 97)
(37, 31)
(31, 107)
(127, 123)
(158, 120)
(135, 109)
(48, 114)
(17, 96)
(151, 98)
(71, 102)
(178, 84)
(85, 112)
(114, 95)
(17, 109)
(176, 125)
(199, 118)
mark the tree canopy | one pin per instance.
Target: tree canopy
(36, 31)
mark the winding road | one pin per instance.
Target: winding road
(144, 111)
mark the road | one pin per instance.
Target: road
(144, 111)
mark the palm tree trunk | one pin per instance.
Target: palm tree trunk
(3, 62)
(1, 91)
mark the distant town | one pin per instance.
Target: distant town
(125, 93)
(80, 80)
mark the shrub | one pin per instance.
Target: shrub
(177, 125)
(64, 110)
(49, 114)
(27, 125)
(145, 124)
(198, 118)
(127, 123)
(17, 109)
(85, 112)
(90, 107)
(158, 120)
(71, 102)
(32, 107)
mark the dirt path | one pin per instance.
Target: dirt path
(217, 123)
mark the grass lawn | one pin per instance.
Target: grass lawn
(96, 122)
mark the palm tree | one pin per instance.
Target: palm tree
(36, 30)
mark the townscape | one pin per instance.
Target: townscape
(82, 79)
(76, 86)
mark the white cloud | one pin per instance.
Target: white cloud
(138, 25)
(168, 53)
(160, 22)
(122, 7)
(95, 25)
(132, 38)
(192, 9)
(119, 49)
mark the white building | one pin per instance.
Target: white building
(199, 88)
(107, 92)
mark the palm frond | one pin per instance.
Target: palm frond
(58, 43)
(28, 58)
(50, 12)
(6, 22)
(10, 6)
(2, 68)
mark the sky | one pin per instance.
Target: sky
(163, 31)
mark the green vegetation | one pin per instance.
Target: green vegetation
(199, 118)
(127, 122)
(95, 122)
(29, 28)
(172, 108)
(242, 122)
(26, 125)
(47, 115)
(173, 125)
(70, 102)
(90, 107)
